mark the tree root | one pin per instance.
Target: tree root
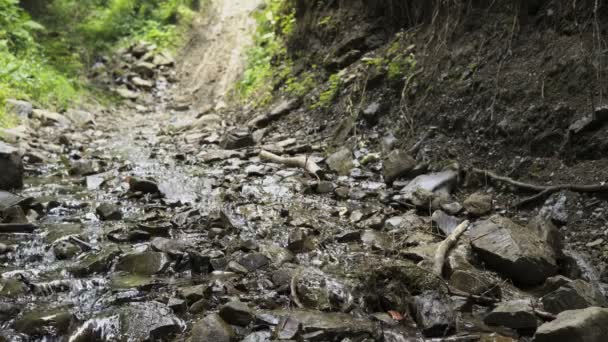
(303, 162)
(446, 245)
(543, 191)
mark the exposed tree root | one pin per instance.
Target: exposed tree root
(303, 162)
(446, 245)
(543, 191)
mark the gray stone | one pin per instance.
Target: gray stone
(445, 222)
(322, 326)
(478, 204)
(65, 250)
(440, 183)
(38, 322)
(218, 155)
(236, 139)
(548, 232)
(144, 263)
(473, 282)
(149, 321)
(376, 239)
(434, 314)
(141, 83)
(341, 161)
(513, 250)
(21, 109)
(585, 325)
(254, 261)
(516, 314)
(397, 164)
(236, 313)
(576, 294)
(108, 212)
(48, 118)
(144, 69)
(11, 165)
(126, 93)
(96, 263)
(212, 329)
(79, 117)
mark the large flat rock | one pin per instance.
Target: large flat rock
(586, 325)
(513, 250)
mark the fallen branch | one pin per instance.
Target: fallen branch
(300, 161)
(543, 191)
(429, 134)
(446, 245)
(293, 286)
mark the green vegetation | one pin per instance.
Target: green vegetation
(46, 46)
(267, 62)
(401, 66)
(330, 94)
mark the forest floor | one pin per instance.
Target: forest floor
(171, 217)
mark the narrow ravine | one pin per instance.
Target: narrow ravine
(162, 218)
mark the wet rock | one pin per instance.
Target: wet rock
(142, 185)
(474, 282)
(236, 139)
(258, 336)
(194, 293)
(277, 254)
(212, 328)
(12, 288)
(96, 262)
(397, 163)
(576, 294)
(17, 227)
(341, 161)
(177, 305)
(13, 214)
(48, 118)
(376, 239)
(585, 325)
(169, 246)
(434, 314)
(8, 311)
(108, 212)
(348, 236)
(441, 183)
(512, 250)
(516, 314)
(149, 321)
(548, 232)
(322, 291)
(11, 165)
(321, 326)
(324, 187)
(236, 313)
(445, 222)
(254, 261)
(478, 204)
(44, 322)
(144, 263)
(65, 250)
(83, 168)
(22, 109)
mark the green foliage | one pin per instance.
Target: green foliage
(300, 86)
(401, 66)
(267, 60)
(43, 61)
(329, 95)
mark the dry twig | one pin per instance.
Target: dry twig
(446, 245)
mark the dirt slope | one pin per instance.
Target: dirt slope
(213, 59)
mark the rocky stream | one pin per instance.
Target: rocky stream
(151, 222)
